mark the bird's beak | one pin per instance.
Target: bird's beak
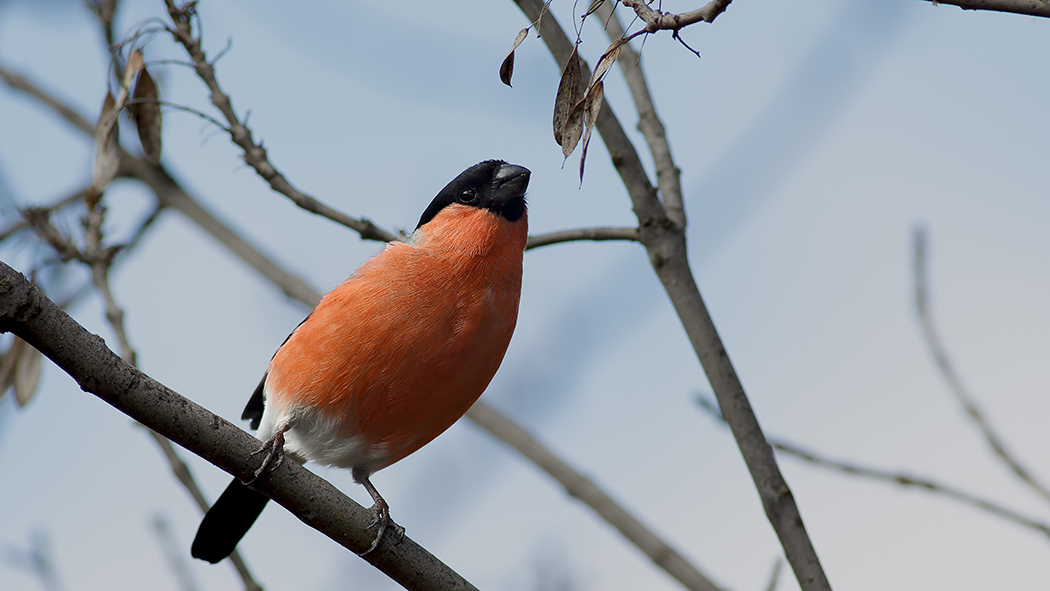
(511, 182)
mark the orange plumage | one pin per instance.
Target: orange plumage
(397, 353)
(431, 319)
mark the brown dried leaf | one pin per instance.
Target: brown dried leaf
(27, 374)
(145, 110)
(506, 69)
(131, 69)
(595, 5)
(107, 144)
(570, 91)
(592, 106)
(608, 59)
(573, 130)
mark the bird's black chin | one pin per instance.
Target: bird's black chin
(514, 209)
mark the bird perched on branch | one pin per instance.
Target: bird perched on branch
(398, 352)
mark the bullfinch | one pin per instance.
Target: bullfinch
(398, 352)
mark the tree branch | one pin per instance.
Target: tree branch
(26, 312)
(668, 176)
(656, 20)
(583, 488)
(1028, 7)
(537, 241)
(901, 479)
(170, 194)
(19, 82)
(666, 245)
(254, 154)
(947, 369)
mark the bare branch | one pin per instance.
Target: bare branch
(172, 553)
(539, 240)
(955, 384)
(587, 491)
(656, 20)
(254, 153)
(774, 576)
(26, 311)
(170, 194)
(892, 477)
(665, 243)
(185, 476)
(1029, 7)
(19, 82)
(23, 224)
(668, 176)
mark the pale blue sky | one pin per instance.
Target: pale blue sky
(812, 137)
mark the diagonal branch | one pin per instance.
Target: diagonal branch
(586, 490)
(1029, 7)
(955, 384)
(254, 153)
(901, 479)
(665, 244)
(668, 176)
(26, 312)
(170, 194)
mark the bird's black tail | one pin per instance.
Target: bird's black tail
(227, 521)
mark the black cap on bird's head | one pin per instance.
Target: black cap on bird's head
(493, 185)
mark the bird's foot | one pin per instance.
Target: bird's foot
(275, 448)
(382, 522)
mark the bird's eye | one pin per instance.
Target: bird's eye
(468, 195)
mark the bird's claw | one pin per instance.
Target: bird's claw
(273, 459)
(381, 513)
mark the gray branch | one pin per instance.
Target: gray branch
(29, 314)
(665, 242)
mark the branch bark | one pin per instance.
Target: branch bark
(1029, 7)
(254, 153)
(170, 194)
(26, 312)
(583, 488)
(951, 377)
(665, 243)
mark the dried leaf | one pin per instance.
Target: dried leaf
(595, 5)
(131, 69)
(145, 110)
(570, 91)
(573, 130)
(592, 106)
(506, 69)
(607, 60)
(107, 144)
(27, 374)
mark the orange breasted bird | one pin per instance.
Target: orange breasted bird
(398, 352)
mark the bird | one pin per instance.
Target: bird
(395, 354)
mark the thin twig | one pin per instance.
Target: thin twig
(586, 490)
(24, 224)
(656, 20)
(774, 576)
(898, 478)
(170, 194)
(539, 240)
(19, 82)
(668, 175)
(955, 384)
(665, 243)
(254, 153)
(1028, 7)
(30, 315)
